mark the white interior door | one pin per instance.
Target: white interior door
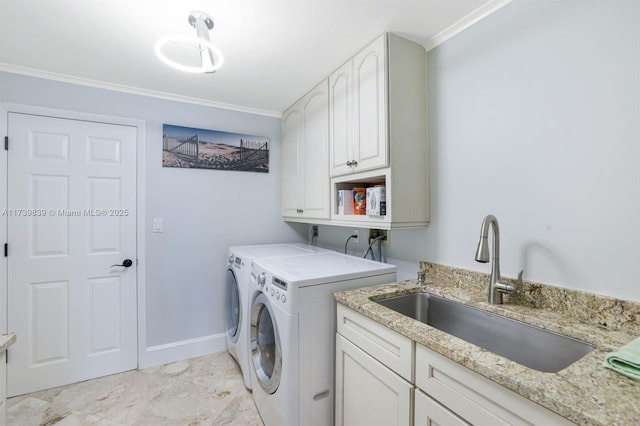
(71, 216)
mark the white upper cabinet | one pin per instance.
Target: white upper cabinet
(378, 132)
(358, 112)
(364, 126)
(305, 149)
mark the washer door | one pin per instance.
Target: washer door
(266, 350)
(232, 306)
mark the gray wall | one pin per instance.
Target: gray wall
(204, 211)
(535, 118)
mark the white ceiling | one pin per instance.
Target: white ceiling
(275, 50)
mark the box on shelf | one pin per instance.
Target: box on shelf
(376, 201)
(345, 201)
(360, 201)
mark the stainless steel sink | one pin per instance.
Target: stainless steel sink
(525, 344)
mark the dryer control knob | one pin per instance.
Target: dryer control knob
(283, 298)
(277, 295)
(231, 259)
(261, 279)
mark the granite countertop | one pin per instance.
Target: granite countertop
(585, 392)
(7, 340)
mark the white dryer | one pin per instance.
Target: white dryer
(237, 294)
(293, 326)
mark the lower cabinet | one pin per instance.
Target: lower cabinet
(367, 392)
(374, 368)
(429, 412)
(384, 378)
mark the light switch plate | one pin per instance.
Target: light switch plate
(157, 224)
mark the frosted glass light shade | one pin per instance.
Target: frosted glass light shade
(198, 43)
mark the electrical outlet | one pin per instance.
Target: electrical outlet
(375, 233)
(314, 230)
(356, 239)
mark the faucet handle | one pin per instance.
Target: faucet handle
(520, 283)
(507, 287)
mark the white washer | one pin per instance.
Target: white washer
(293, 326)
(237, 295)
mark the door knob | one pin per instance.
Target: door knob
(126, 263)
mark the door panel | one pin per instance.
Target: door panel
(104, 151)
(103, 232)
(71, 216)
(49, 233)
(49, 320)
(49, 146)
(105, 294)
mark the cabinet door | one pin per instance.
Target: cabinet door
(291, 161)
(367, 392)
(305, 157)
(429, 413)
(370, 94)
(341, 118)
(315, 153)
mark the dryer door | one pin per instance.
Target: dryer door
(232, 306)
(266, 349)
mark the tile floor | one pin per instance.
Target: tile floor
(202, 391)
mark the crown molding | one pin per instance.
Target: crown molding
(31, 72)
(464, 23)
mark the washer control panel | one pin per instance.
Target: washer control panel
(235, 261)
(279, 289)
(276, 289)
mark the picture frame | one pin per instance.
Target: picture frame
(189, 147)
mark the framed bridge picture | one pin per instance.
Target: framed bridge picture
(212, 149)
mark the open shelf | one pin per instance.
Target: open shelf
(369, 179)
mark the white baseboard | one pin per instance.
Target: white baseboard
(184, 349)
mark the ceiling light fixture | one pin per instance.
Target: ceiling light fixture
(210, 56)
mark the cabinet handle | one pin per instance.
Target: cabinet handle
(349, 163)
(299, 210)
(354, 163)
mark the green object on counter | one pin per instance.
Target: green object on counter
(625, 360)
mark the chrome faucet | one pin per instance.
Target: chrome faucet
(496, 286)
